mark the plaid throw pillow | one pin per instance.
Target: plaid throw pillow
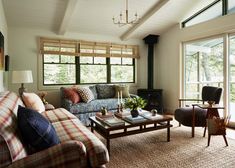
(86, 94)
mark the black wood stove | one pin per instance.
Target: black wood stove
(153, 96)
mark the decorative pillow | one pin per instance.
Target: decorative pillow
(86, 94)
(105, 91)
(93, 90)
(124, 89)
(36, 130)
(33, 101)
(72, 94)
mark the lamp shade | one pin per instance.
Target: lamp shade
(22, 76)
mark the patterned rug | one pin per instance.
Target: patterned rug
(151, 150)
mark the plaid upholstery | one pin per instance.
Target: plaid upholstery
(5, 156)
(79, 147)
(9, 102)
(73, 129)
(59, 114)
(70, 154)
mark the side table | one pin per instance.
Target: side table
(212, 111)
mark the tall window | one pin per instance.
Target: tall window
(82, 62)
(203, 66)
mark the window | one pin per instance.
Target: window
(231, 6)
(213, 10)
(203, 66)
(82, 62)
(93, 70)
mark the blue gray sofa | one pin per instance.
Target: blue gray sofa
(104, 97)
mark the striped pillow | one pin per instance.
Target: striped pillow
(86, 94)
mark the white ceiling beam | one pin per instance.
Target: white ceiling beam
(143, 19)
(67, 16)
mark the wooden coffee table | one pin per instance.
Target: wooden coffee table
(110, 132)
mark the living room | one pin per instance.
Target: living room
(24, 23)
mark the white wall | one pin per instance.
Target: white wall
(168, 54)
(3, 30)
(24, 52)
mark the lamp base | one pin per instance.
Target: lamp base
(22, 89)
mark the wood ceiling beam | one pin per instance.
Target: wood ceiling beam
(143, 19)
(71, 5)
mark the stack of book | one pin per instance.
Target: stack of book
(101, 116)
(114, 121)
(109, 120)
(122, 114)
(134, 119)
(150, 116)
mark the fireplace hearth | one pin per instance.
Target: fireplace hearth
(153, 96)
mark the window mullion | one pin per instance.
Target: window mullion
(108, 70)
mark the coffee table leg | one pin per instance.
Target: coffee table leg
(168, 131)
(108, 145)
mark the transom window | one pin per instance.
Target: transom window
(66, 62)
(213, 10)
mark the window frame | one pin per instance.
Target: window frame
(41, 66)
(224, 11)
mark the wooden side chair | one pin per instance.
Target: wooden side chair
(184, 115)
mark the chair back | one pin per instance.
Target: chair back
(211, 93)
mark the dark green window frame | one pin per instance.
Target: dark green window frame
(224, 11)
(78, 70)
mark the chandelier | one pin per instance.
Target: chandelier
(123, 18)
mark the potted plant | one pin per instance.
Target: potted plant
(134, 104)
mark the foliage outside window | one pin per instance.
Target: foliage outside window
(83, 62)
(203, 66)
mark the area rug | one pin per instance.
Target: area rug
(151, 150)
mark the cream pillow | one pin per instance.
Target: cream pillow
(33, 101)
(86, 94)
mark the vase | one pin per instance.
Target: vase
(134, 113)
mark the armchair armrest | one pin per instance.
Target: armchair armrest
(67, 154)
(182, 100)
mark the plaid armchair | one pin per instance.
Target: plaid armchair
(78, 148)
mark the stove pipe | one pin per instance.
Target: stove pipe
(151, 40)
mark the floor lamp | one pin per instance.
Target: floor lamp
(22, 77)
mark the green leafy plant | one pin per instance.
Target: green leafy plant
(135, 103)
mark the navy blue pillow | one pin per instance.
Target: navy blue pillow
(36, 130)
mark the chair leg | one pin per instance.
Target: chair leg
(204, 134)
(209, 138)
(225, 140)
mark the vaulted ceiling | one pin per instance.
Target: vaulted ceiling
(95, 16)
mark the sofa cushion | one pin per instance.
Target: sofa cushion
(72, 94)
(124, 89)
(73, 129)
(8, 126)
(85, 94)
(93, 90)
(94, 106)
(33, 101)
(59, 114)
(105, 91)
(36, 130)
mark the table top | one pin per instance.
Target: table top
(207, 106)
(127, 124)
